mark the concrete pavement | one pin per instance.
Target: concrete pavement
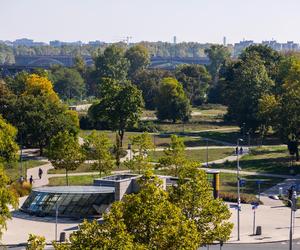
(274, 220)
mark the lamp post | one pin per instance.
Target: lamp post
(293, 203)
(206, 152)
(238, 188)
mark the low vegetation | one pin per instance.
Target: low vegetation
(275, 160)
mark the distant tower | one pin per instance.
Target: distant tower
(224, 41)
(174, 46)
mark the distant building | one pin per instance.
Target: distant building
(23, 42)
(239, 47)
(95, 43)
(57, 43)
(224, 41)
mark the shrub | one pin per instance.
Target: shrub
(232, 197)
(21, 189)
(36, 242)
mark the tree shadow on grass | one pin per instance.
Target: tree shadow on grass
(279, 165)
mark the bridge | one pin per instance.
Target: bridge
(29, 63)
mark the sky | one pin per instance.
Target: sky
(150, 20)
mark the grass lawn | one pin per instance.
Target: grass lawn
(14, 171)
(81, 169)
(199, 154)
(73, 180)
(228, 183)
(232, 136)
(160, 140)
(274, 160)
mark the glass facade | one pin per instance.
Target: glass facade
(74, 202)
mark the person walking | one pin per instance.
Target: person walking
(31, 180)
(40, 173)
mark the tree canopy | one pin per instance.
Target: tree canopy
(35, 110)
(195, 80)
(281, 109)
(7, 199)
(65, 152)
(246, 82)
(138, 57)
(68, 83)
(112, 64)
(148, 81)
(120, 105)
(172, 102)
(8, 147)
(98, 148)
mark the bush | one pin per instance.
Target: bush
(232, 197)
(36, 242)
(147, 126)
(21, 189)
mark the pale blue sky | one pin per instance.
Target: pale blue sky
(152, 20)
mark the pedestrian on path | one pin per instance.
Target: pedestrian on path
(40, 173)
(31, 180)
(241, 150)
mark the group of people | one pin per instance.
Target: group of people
(40, 173)
(239, 151)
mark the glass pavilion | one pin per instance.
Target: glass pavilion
(69, 201)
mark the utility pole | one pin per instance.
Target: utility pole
(206, 152)
(238, 189)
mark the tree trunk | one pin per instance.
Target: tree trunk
(67, 180)
(121, 134)
(297, 154)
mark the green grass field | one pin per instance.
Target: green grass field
(198, 155)
(81, 180)
(13, 171)
(274, 160)
(160, 140)
(228, 183)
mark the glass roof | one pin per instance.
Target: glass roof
(75, 189)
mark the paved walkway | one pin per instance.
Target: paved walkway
(274, 220)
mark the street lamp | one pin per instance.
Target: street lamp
(293, 203)
(206, 152)
(238, 187)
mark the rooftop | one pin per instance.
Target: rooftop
(75, 189)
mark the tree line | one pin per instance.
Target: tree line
(262, 91)
(163, 49)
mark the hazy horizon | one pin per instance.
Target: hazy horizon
(203, 21)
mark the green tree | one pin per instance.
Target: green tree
(148, 81)
(36, 242)
(7, 199)
(68, 83)
(146, 220)
(172, 102)
(269, 57)
(112, 64)
(246, 83)
(64, 152)
(111, 234)
(174, 156)
(282, 108)
(193, 194)
(217, 55)
(8, 147)
(120, 106)
(36, 112)
(97, 147)
(139, 59)
(141, 145)
(195, 80)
